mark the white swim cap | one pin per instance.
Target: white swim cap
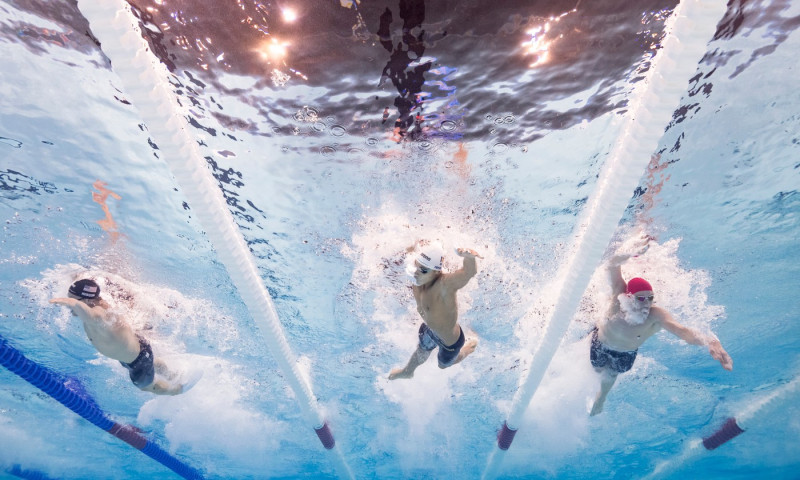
(431, 256)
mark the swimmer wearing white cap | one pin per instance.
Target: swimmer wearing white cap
(435, 293)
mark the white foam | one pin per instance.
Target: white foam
(166, 317)
(556, 425)
(217, 417)
(677, 288)
(422, 425)
(17, 446)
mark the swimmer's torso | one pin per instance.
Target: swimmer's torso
(617, 334)
(439, 309)
(111, 336)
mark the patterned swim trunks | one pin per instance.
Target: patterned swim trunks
(428, 340)
(603, 356)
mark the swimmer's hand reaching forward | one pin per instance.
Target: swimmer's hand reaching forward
(635, 246)
(468, 253)
(719, 354)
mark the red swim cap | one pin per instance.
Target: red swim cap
(637, 284)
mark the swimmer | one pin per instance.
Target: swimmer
(632, 319)
(435, 294)
(113, 337)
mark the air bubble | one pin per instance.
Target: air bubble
(448, 126)
(499, 148)
(306, 114)
(11, 142)
(371, 141)
(425, 146)
(327, 151)
(338, 130)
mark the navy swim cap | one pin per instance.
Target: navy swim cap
(85, 289)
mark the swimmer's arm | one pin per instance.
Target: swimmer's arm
(618, 284)
(634, 247)
(76, 305)
(683, 332)
(694, 337)
(462, 276)
(67, 302)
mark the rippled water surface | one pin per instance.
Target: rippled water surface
(340, 132)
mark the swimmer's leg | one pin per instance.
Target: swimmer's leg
(607, 380)
(467, 349)
(160, 387)
(165, 381)
(417, 358)
(163, 370)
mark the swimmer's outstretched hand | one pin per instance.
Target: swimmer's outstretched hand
(720, 355)
(468, 253)
(640, 243)
(63, 301)
(633, 247)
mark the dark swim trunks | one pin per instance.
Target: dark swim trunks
(141, 370)
(603, 356)
(428, 340)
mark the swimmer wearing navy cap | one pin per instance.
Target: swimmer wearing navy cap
(113, 337)
(435, 294)
(631, 320)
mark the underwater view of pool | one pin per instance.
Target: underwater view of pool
(337, 134)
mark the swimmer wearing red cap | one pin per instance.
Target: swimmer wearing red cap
(631, 320)
(435, 294)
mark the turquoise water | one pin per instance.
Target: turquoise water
(328, 195)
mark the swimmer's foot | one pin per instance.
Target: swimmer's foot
(596, 408)
(400, 373)
(162, 369)
(469, 347)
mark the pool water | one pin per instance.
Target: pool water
(341, 135)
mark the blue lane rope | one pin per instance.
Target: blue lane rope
(20, 472)
(51, 383)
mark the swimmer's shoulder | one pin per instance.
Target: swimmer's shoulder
(658, 314)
